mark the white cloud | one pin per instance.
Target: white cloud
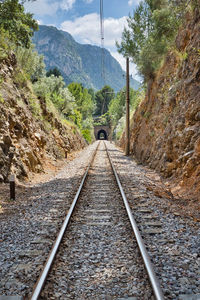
(133, 2)
(42, 7)
(88, 1)
(86, 29)
(39, 22)
(46, 7)
(67, 4)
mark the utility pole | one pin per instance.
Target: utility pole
(127, 136)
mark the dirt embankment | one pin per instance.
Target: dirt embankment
(165, 130)
(30, 134)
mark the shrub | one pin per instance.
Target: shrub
(87, 135)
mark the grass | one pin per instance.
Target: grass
(20, 78)
(1, 99)
(35, 107)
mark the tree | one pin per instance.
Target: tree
(54, 89)
(19, 24)
(92, 93)
(102, 99)
(117, 106)
(82, 98)
(150, 33)
(55, 71)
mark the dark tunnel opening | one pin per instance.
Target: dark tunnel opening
(102, 135)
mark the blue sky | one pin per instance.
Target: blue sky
(81, 19)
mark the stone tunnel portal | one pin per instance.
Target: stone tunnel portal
(102, 135)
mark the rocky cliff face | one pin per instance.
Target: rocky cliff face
(165, 130)
(29, 133)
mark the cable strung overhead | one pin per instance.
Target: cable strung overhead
(102, 39)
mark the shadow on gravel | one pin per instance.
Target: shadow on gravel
(28, 197)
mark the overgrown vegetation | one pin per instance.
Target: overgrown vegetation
(117, 109)
(151, 32)
(17, 24)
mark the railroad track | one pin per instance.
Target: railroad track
(96, 254)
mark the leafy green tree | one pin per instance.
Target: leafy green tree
(92, 94)
(19, 24)
(84, 109)
(117, 107)
(53, 88)
(151, 30)
(82, 98)
(55, 71)
(102, 99)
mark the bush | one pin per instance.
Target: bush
(35, 107)
(31, 62)
(5, 44)
(87, 135)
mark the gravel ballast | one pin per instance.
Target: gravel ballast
(30, 224)
(172, 239)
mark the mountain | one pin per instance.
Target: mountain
(79, 62)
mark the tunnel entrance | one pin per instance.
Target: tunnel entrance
(102, 135)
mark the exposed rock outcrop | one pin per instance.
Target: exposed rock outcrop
(29, 132)
(165, 129)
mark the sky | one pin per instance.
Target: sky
(81, 18)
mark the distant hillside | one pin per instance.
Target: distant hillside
(77, 62)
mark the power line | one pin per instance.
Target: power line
(102, 41)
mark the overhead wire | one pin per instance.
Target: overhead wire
(102, 41)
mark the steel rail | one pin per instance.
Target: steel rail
(145, 256)
(42, 278)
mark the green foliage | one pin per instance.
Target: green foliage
(6, 45)
(31, 62)
(87, 135)
(119, 128)
(92, 94)
(151, 32)
(82, 115)
(76, 117)
(102, 99)
(53, 88)
(83, 99)
(1, 99)
(17, 23)
(20, 78)
(117, 107)
(35, 107)
(103, 119)
(54, 72)
(48, 86)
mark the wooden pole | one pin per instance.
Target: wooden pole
(12, 187)
(127, 147)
